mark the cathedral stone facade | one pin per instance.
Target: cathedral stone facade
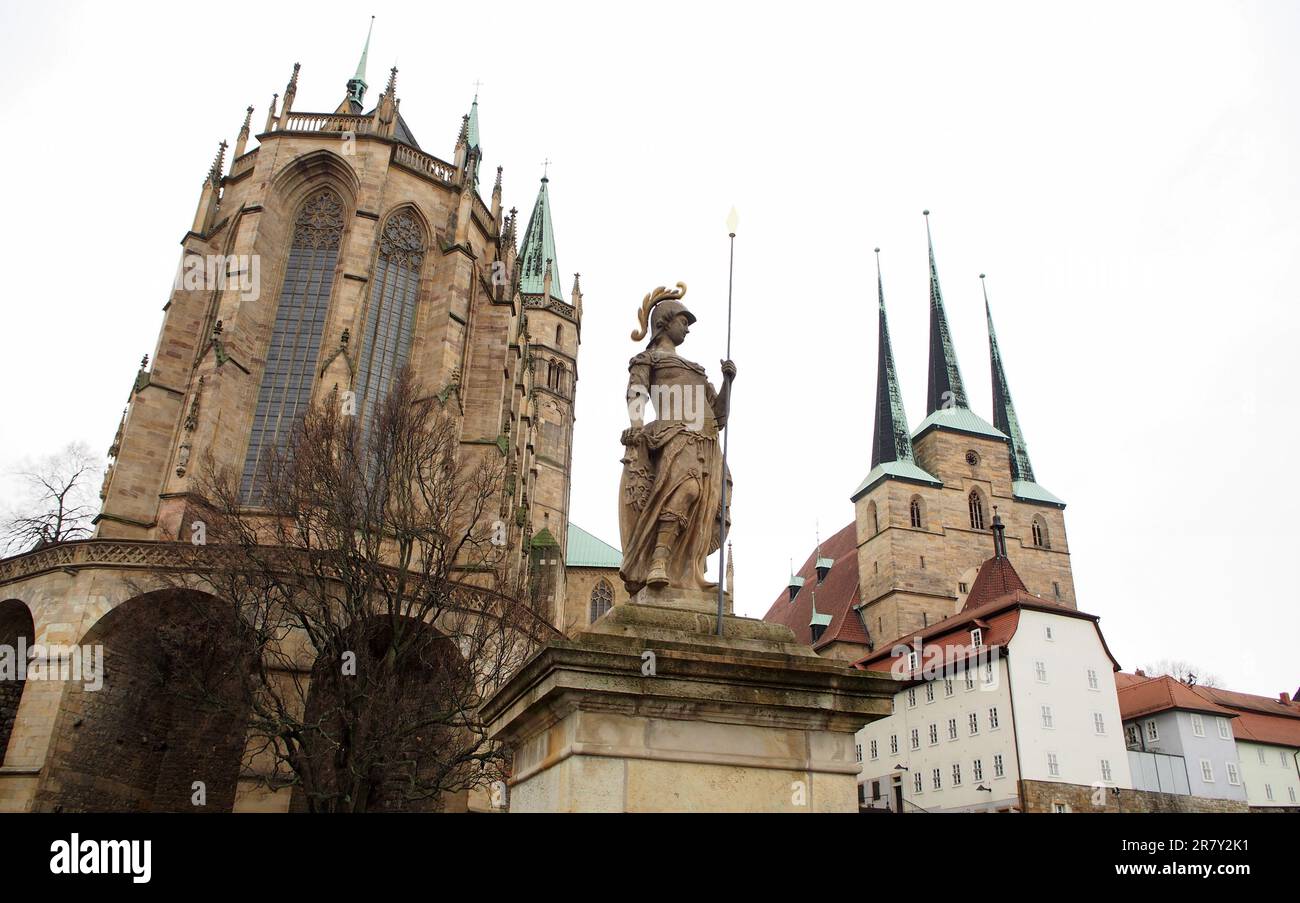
(323, 260)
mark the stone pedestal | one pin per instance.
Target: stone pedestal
(650, 711)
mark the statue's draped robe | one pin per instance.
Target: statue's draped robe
(672, 472)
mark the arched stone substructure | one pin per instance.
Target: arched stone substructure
(431, 683)
(142, 740)
(17, 634)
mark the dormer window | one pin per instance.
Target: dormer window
(977, 638)
(824, 568)
(912, 660)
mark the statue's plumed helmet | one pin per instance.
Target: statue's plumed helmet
(664, 303)
(664, 313)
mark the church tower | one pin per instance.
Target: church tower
(925, 509)
(330, 255)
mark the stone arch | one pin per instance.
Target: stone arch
(430, 679)
(602, 599)
(17, 634)
(873, 519)
(312, 171)
(167, 712)
(1038, 531)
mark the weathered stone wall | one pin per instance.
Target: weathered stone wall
(1042, 796)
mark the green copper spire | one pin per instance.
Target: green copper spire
(891, 441)
(357, 84)
(1004, 410)
(539, 250)
(945, 389)
(472, 133)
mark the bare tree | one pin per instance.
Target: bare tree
(58, 502)
(365, 608)
(1183, 672)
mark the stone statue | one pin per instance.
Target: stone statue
(670, 497)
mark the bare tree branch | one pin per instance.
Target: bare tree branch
(58, 505)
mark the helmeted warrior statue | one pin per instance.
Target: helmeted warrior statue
(670, 498)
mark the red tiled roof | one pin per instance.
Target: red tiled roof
(836, 596)
(1259, 718)
(996, 578)
(1145, 696)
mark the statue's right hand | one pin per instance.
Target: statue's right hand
(630, 435)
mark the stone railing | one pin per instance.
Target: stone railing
(92, 553)
(425, 164)
(483, 213)
(243, 163)
(327, 122)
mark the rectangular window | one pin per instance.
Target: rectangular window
(1040, 672)
(875, 751)
(893, 744)
(1281, 754)
(997, 765)
(937, 779)
(1268, 789)
(947, 687)
(1105, 770)
(1093, 682)
(859, 751)
(1198, 725)
(1153, 732)
(1207, 771)
(1131, 733)
(1098, 723)
(973, 723)
(1060, 808)
(1223, 728)
(934, 733)
(916, 739)
(988, 675)
(977, 638)
(977, 770)
(929, 692)
(970, 680)
(993, 718)
(1053, 766)
(952, 728)
(911, 696)
(912, 659)
(1260, 751)
(1234, 776)
(917, 784)
(1047, 632)
(956, 774)
(1047, 716)
(1291, 791)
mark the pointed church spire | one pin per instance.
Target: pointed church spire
(891, 440)
(1004, 410)
(471, 132)
(242, 141)
(538, 255)
(945, 389)
(357, 83)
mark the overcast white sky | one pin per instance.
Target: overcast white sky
(1125, 173)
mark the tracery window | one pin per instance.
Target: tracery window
(390, 316)
(918, 514)
(602, 599)
(976, 510)
(300, 313)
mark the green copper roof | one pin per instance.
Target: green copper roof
(1029, 491)
(543, 539)
(539, 247)
(891, 440)
(906, 471)
(961, 420)
(945, 389)
(1004, 410)
(586, 551)
(473, 123)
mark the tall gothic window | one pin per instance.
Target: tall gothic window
(1039, 528)
(390, 317)
(602, 599)
(296, 336)
(918, 515)
(976, 510)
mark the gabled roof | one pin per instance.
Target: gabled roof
(907, 471)
(1146, 696)
(996, 579)
(1028, 491)
(586, 551)
(836, 595)
(1259, 718)
(959, 420)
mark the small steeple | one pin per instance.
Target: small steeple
(386, 111)
(496, 199)
(210, 196)
(999, 535)
(538, 254)
(242, 141)
(1004, 410)
(575, 296)
(290, 92)
(891, 441)
(218, 165)
(471, 130)
(357, 83)
(270, 113)
(945, 389)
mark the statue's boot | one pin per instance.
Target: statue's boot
(658, 575)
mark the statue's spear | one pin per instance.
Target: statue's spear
(732, 220)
